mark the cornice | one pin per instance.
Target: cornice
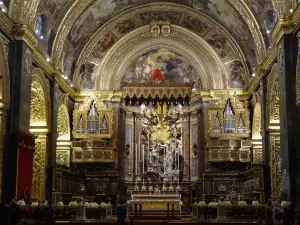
(209, 95)
(65, 87)
(5, 24)
(112, 96)
(25, 33)
(282, 27)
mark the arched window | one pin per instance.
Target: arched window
(39, 26)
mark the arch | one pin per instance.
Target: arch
(39, 125)
(63, 124)
(181, 40)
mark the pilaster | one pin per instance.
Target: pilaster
(265, 140)
(20, 65)
(289, 118)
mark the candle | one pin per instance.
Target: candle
(136, 150)
(143, 157)
(178, 150)
(149, 147)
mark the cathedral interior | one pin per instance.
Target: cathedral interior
(113, 99)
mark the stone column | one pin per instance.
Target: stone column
(289, 118)
(20, 63)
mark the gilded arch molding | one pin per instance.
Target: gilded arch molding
(63, 123)
(181, 40)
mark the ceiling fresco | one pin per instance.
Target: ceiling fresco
(101, 11)
(264, 13)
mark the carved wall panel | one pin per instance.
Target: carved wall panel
(38, 115)
(274, 132)
(63, 158)
(63, 123)
(39, 165)
(256, 127)
(38, 126)
(275, 163)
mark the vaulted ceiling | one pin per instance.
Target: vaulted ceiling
(78, 31)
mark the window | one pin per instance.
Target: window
(39, 26)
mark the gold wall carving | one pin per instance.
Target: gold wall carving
(63, 157)
(80, 118)
(273, 115)
(256, 127)
(38, 106)
(275, 163)
(63, 123)
(39, 166)
(273, 97)
(39, 122)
